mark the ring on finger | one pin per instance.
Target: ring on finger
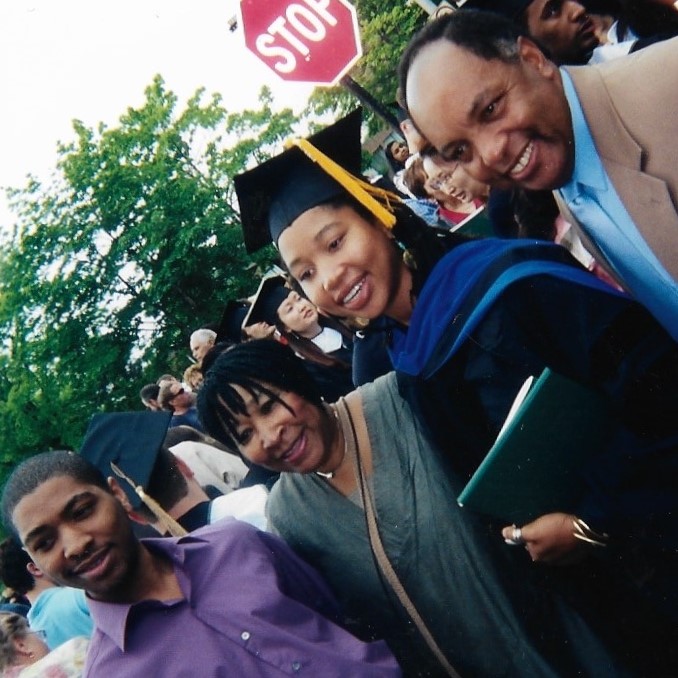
(516, 538)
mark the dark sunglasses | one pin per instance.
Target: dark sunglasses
(178, 393)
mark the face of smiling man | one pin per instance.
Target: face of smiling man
(507, 123)
(79, 535)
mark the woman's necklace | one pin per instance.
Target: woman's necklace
(328, 475)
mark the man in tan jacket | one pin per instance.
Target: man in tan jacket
(604, 138)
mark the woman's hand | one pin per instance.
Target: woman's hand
(261, 330)
(549, 539)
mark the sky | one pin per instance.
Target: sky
(90, 60)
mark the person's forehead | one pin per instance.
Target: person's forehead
(288, 300)
(47, 501)
(286, 306)
(250, 399)
(430, 166)
(443, 64)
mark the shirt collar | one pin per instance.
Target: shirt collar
(111, 618)
(588, 169)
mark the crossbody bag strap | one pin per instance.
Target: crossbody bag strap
(351, 442)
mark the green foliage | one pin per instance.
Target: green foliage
(385, 31)
(133, 244)
(135, 241)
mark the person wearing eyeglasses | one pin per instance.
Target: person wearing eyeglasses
(174, 398)
(24, 652)
(19, 645)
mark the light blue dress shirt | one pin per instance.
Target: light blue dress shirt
(594, 202)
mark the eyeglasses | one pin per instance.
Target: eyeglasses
(178, 393)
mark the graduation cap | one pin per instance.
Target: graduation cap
(511, 9)
(230, 327)
(271, 293)
(127, 444)
(272, 195)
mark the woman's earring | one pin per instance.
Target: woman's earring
(409, 260)
(408, 257)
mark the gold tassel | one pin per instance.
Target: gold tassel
(167, 523)
(362, 191)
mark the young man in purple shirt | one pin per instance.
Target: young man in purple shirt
(225, 600)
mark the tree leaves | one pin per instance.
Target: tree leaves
(133, 244)
(135, 241)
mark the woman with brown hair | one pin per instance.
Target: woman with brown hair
(454, 203)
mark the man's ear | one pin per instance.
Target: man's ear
(532, 55)
(183, 467)
(119, 494)
(34, 571)
(138, 518)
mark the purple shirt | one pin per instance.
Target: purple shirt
(251, 607)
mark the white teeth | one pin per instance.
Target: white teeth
(523, 160)
(353, 293)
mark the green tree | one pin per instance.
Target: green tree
(133, 243)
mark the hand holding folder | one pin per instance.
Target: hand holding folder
(533, 468)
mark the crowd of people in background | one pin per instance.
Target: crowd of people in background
(289, 505)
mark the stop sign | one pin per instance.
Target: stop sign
(314, 41)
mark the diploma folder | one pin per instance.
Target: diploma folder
(534, 467)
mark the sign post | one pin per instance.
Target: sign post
(313, 41)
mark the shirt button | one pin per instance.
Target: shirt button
(296, 666)
(245, 635)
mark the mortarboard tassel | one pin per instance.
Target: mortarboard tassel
(363, 192)
(166, 521)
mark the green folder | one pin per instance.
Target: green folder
(535, 465)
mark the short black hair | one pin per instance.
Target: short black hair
(149, 392)
(254, 366)
(13, 567)
(40, 468)
(485, 34)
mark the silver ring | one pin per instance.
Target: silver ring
(516, 538)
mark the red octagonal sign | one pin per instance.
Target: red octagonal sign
(314, 41)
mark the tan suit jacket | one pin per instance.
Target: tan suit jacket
(631, 107)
